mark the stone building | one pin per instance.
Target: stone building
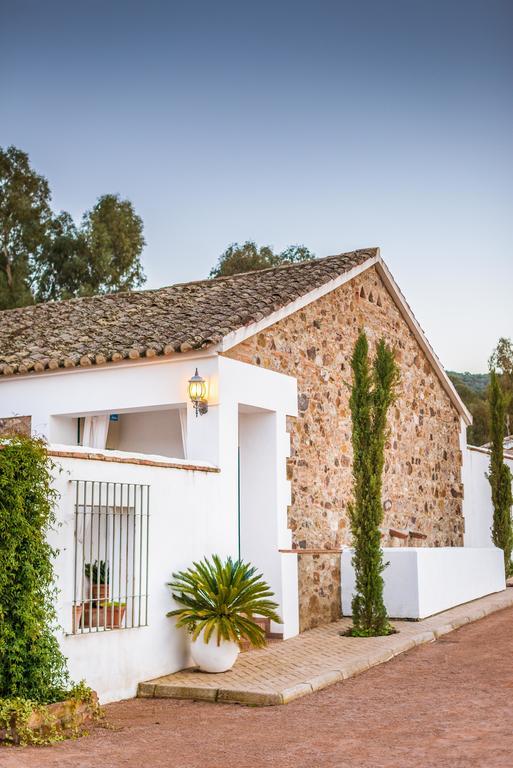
(297, 322)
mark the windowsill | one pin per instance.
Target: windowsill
(102, 631)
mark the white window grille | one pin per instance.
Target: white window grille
(111, 544)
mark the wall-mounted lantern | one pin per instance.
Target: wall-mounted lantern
(198, 393)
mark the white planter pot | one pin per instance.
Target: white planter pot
(211, 657)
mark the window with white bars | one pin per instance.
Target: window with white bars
(111, 544)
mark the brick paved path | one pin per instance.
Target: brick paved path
(445, 704)
(314, 660)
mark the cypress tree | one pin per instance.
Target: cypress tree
(500, 475)
(372, 394)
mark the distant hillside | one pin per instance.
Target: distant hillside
(477, 382)
(471, 387)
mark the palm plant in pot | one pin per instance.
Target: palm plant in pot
(219, 600)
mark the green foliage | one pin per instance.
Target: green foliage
(32, 665)
(17, 717)
(476, 383)
(475, 398)
(222, 597)
(112, 604)
(46, 257)
(473, 390)
(500, 476)
(114, 236)
(501, 361)
(97, 573)
(100, 256)
(372, 394)
(248, 257)
(25, 218)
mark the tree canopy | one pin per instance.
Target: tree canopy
(474, 391)
(501, 361)
(25, 223)
(45, 256)
(247, 257)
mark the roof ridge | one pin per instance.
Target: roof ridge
(287, 265)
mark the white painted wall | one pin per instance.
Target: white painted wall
(477, 499)
(114, 661)
(256, 388)
(158, 432)
(258, 480)
(422, 581)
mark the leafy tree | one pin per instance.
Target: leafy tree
(114, 236)
(43, 256)
(25, 218)
(500, 476)
(248, 257)
(62, 270)
(372, 394)
(501, 361)
(100, 256)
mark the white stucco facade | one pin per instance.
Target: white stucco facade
(240, 509)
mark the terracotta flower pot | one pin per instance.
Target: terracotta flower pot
(103, 616)
(98, 591)
(76, 617)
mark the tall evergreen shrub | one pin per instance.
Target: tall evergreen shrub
(372, 394)
(500, 475)
(31, 663)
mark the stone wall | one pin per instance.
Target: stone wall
(422, 482)
(16, 425)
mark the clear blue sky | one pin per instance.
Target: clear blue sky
(334, 124)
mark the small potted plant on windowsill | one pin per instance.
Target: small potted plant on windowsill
(219, 600)
(98, 575)
(106, 615)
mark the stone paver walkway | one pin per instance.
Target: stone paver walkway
(313, 660)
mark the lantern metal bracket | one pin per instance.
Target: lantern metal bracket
(200, 407)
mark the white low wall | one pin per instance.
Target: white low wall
(422, 581)
(477, 499)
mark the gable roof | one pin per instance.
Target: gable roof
(215, 314)
(178, 318)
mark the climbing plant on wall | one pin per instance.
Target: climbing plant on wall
(32, 665)
(499, 475)
(372, 394)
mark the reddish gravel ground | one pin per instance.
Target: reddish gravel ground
(445, 704)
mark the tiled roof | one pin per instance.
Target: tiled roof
(99, 329)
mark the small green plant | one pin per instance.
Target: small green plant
(499, 475)
(97, 572)
(23, 721)
(112, 604)
(222, 597)
(372, 394)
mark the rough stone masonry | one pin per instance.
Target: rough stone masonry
(422, 481)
